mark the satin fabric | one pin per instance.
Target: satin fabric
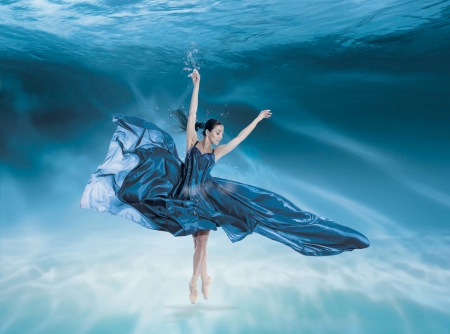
(144, 180)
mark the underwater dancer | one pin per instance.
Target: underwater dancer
(144, 180)
(212, 134)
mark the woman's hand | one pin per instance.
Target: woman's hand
(264, 114)
(195, 76)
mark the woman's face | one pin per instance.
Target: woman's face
(215, 135)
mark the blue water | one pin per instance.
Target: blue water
(359, 92)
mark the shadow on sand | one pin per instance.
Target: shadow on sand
(188, 310)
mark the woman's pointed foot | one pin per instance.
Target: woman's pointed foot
(193, 292)
(206, 280)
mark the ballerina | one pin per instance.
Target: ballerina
(212, 134)
(144, 180)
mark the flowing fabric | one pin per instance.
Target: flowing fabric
(144, 180)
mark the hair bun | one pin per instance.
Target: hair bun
(199, 125)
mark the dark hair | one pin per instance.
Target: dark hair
(182, 120)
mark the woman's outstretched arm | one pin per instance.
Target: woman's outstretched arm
(221, 150)
(191, 134)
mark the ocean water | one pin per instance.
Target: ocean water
(360, 133)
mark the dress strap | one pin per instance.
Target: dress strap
(213, 151)
(195, 143)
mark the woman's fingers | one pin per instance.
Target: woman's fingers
(194, 75)
(266, 113)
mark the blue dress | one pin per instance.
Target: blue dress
(144, 180)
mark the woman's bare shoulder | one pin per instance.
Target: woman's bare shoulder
(218, 151)
(190, 142)
(219, 148)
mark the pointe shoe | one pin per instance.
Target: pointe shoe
(206, 280)
(193, 292)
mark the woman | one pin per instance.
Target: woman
(144, 180)
(212, 134)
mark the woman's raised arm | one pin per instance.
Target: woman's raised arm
(191, 134)
(221, 150)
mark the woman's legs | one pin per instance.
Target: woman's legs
(200, 254)
(200, 241)
(204, 270)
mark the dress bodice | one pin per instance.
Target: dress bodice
(195, 174)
